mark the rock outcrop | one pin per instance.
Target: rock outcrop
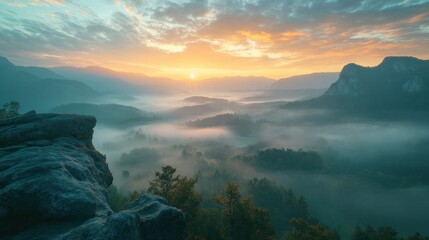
(395, 76)
(53, 186)
(398, 83)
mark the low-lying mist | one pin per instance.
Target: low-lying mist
(374, 170)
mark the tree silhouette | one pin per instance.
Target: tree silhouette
(10, 109)
(302, 230)
(244, 221)
(179, 192)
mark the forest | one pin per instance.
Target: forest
(254, 192)
(268, 211)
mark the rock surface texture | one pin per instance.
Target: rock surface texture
(53, 186)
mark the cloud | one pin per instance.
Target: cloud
(24, 3)
(46, 2)
(279, 35)
(329, 22)
(182, 13)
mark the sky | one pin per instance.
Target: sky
(211, 38)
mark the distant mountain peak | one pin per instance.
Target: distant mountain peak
(394, 76)
(392, 59)
(350, 69)
(400, 64)
(319, 80)
(5, 62)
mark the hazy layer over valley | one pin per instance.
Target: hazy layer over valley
(369, 167)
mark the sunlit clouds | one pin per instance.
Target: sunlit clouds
(274, 38)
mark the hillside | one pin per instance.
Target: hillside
(398, 83)
(114, 115)
(110, 81)
(395, 76)
(34, 88)
(234, 83)
(307, 81)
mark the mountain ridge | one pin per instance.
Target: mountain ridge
(395, 83)
(228, 83)
(38, 88)
(319, 80)
(108, 80)
(393, 73)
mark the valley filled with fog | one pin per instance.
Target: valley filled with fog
(373, 171)
(357, 160)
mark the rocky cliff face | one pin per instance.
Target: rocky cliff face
(53, 186)
(396, 84)
(395, 76)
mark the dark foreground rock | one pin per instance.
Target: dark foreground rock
(53, 186)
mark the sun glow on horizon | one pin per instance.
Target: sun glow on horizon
(191, 40)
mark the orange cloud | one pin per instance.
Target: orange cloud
(418, 18)
(46, 2)
(263, 37)
(286, 36)
(217, 38)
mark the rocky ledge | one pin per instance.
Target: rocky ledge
(53, 186)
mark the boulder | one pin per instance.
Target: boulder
(53, 185)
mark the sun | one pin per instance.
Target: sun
(192, 76)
